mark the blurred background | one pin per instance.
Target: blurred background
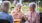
(25, 4)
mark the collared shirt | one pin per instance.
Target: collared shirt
(6, 16)
(33, 17)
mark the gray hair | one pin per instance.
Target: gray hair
(8, 2)
(31, 4)
(18, 4)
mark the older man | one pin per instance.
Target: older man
(33, 16)
(4, 14)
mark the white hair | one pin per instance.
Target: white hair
(30, 4)
(18, 4)
(5, 2)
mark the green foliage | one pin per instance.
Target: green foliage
(24, 7)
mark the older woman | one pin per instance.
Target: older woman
(33, 16)
(17, 13)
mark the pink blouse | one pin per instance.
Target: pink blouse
(33, 17)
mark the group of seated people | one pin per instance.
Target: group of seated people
(17, 16)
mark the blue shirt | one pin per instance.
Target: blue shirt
(6, 16)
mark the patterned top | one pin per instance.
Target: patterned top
(33, 17)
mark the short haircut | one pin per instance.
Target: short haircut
(32, 5)
(5, 3)
(18, 4)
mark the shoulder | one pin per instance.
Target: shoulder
(37, 14)
(10, 15)
(1, 13)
